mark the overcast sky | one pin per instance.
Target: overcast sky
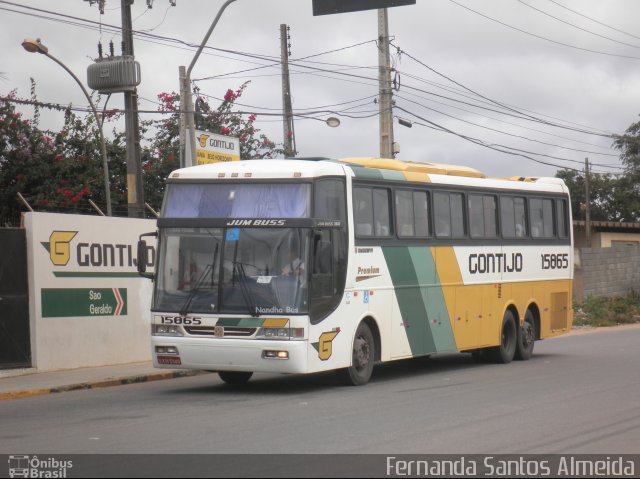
(583, 74)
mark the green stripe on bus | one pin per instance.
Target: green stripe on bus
(369, 173)
(393, 175)
(433, 297)
(410, 299)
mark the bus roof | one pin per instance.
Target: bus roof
(363, 167)
(415, 166)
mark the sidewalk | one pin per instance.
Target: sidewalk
(19, 383)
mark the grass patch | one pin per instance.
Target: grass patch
(599, 312)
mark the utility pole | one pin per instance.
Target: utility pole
(587, 185)
(287, 118)
(186, 106)
(187, 113)
(135, 190)
(384, 85)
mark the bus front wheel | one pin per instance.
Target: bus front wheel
(363, 356)
(505, 353)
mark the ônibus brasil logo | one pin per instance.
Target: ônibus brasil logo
(27, 466)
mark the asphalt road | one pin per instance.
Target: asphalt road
(578, 394)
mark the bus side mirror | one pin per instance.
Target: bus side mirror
(142, 256)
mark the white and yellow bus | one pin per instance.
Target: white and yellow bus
(308, 265)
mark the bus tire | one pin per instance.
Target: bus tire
(362, 357)
(235, 378)
(505, 353)
(526, 337)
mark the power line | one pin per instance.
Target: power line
(517, 136)
(266, 75)
(540, 36)
(527, 118)
(299, 109)
(493, 146)
(141, 35)
(594, 20)
(511, 123)
(495, 102)
(576, 26)
(276, 63)
(458, 92)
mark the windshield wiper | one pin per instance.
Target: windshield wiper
(192, 294)
(238, 270)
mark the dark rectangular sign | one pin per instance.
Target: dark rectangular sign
(328, 7)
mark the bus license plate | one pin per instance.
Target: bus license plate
(171, 360)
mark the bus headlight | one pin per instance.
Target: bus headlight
(280, 333)
(166, 330)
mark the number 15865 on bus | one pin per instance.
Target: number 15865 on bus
(555, 261)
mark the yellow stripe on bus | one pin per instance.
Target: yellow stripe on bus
(275, 323)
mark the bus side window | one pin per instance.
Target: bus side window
(323, 287)
(322, 261)
(442, 211)
(513, 217)
(330, 200)
(421, 213)
(561, 207)
(381, 212)
(541, 211)
(449, 214)
(363, 211)
(482, 216)
(404, 213)
(412, 213)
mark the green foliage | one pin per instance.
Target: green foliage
(601, 311)
(629, 145)
(613, 198)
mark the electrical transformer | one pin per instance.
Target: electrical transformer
(114, 74)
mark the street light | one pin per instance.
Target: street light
(187, 118)
(333, 122)
(36, 46)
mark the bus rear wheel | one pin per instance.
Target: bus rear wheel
(234, 377)
(363, 356)
(526, 337)
(505, 353)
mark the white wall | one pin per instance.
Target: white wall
(87, 305)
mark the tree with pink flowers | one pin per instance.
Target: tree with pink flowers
(60, 170)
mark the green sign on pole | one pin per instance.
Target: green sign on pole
(62, 302)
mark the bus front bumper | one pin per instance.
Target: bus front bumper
(229, 354)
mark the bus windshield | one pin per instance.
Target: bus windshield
(233, 270)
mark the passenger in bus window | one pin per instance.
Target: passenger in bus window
(295, 266)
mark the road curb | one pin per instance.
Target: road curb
(101, 383)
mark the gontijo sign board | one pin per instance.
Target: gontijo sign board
(88, 267)
(212, 148)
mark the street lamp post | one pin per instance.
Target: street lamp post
(187, 118)
(35, 46)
